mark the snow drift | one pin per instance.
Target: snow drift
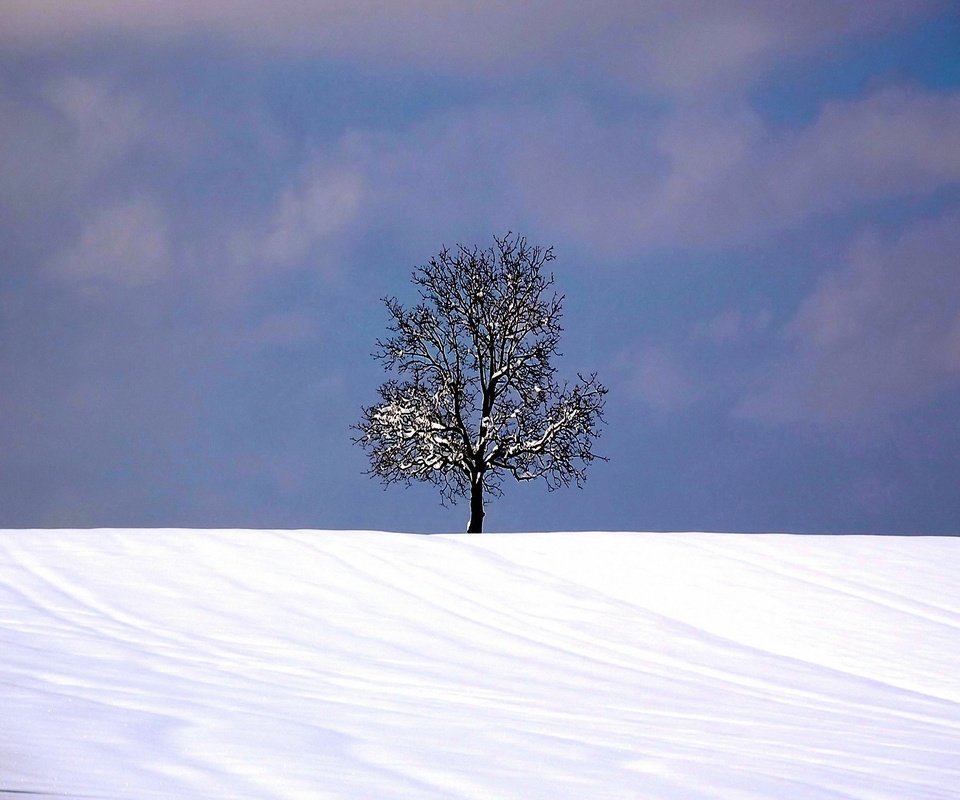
(252, 664)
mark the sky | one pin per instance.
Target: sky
(755, 208)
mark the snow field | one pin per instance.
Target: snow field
(321, 664)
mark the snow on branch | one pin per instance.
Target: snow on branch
(410, 436)
(554, 444)
(479, 397)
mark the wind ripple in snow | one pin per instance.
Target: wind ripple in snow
(250, 664)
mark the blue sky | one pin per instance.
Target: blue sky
(755, 208)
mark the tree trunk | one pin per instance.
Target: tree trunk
(476, 507)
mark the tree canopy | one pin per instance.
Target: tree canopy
(478, 398)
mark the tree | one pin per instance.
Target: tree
(480, 400)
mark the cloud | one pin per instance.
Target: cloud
(83, 163)
(894, 142)
(658, 44)
(951, 346)
(322, 203)
(696, 177)
(304, 226)
(731, 326)
(103, 121)
(61, 136)
(702, 178)
(702, 46)
(877, 335)
(280, 329)
(449, 175)
(72, 140)
(125, 244)
(655, 377)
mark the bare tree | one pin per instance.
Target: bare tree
(480, 400)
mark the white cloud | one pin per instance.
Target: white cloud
(305, 226)
(698, 177)
(878, 334)
(658, 44)
(321, 204)
(67, 141)
(56, 141)
(702, 177)
(654, 376)
(282, 328)
(448, 173)
(731, 325)
(701, 46)
(896, 141)
(124, 244)
(103, 122)
(951, 346)
(316, 206)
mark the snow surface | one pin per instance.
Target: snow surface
(252, 664)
